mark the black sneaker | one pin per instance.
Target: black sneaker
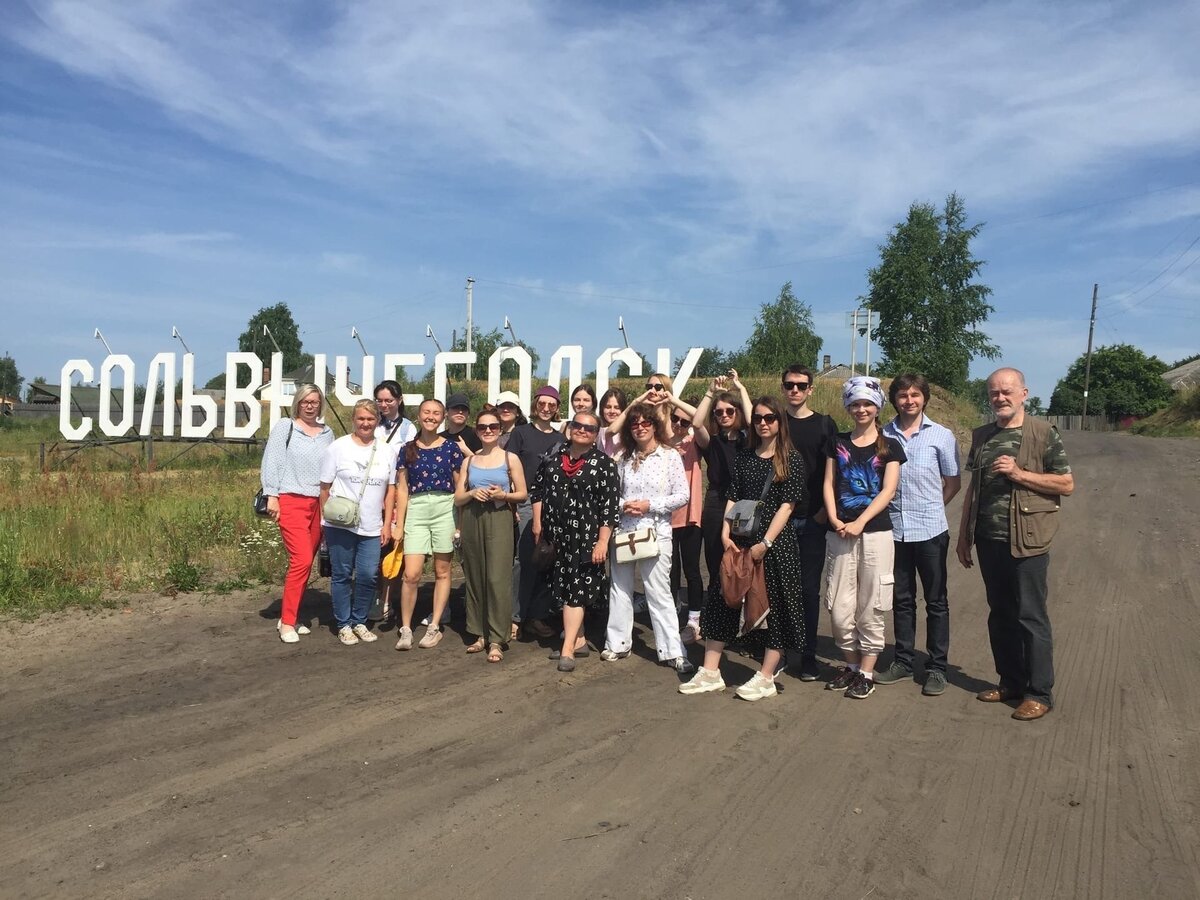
(842, 680)
(809, 670)
(862, 687)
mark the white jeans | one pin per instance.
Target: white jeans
(656, 579)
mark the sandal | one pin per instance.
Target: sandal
(495, 653)
(478, 647)
(516, 631)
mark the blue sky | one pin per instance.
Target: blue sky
(186, 163)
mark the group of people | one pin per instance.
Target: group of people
(555, 516)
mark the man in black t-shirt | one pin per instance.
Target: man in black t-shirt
(811, 433)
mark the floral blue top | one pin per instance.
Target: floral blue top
(434, 470)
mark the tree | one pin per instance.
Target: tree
(1124, 382)
(10, 378)
(976, 391)
(1033, 406)
(783, 334)
(713, 361)
(929, 308)
(286, 333)
(485, 344)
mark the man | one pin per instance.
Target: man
(458, 409)
(920, 532)
(810, 432)
(1019, 471)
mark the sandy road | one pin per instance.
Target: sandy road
(181, 751)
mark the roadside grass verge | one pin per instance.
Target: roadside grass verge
(1180, 419)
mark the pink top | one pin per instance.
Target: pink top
(608, 442)
(689, 514)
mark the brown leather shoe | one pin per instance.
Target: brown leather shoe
(1030, 710)
(996, 695)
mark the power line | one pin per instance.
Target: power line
(1161, 273)
(1162, 287)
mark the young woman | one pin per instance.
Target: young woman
(653, 486)
(487, 484)
(426, 472)
(685, 522)
(291, 483)
(357, 467)
(719, 423)
(583, 399)
(612, 406)
(575, 507)
(770, 463)
(861, 475)
(393, 429)
(509, 409)
(658, 395)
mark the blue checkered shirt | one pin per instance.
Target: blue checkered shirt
(917, 510)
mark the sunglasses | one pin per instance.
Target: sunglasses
(680, 420)
(547, 404)
(797, 385)
(759, 418)
(656, 386)
(724, 412)
(640, 423)
(485, 427)
(584, 426)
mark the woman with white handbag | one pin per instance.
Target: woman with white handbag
(653, 486)
(357, 479)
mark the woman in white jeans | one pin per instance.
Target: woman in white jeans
(653, 486)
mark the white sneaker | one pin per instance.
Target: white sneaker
(288, 635)
(681, 664)
(404, 642)
(299, 629)
(757, 688)
(346, 636)
(302, 629)
(445, 617)
(365, 634)
(610, 655)
(431, 638)
(703, 681)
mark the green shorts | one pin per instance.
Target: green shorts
(429, 524)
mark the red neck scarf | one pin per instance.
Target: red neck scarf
(573, 468)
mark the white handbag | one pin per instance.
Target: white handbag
(642, 543)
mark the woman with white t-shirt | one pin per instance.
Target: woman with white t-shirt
(360, 468)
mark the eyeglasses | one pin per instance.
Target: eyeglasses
(584, 426)
(680, 420)
(310, 402)
(724, 412)
(485, 427)
(656, 386)
(639, 424)
(797, 385)
(547, 404)
(759, 418)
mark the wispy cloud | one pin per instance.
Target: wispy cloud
(152, 243)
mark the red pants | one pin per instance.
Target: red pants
(300, 527)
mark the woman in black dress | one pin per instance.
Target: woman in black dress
(769, 456)
(576, 504)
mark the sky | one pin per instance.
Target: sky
(183, 164)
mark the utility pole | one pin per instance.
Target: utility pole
(1087, 366)
(470, 287)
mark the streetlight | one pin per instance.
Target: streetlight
(179, 337)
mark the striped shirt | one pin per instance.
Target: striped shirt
(917, 510)
(293, 467)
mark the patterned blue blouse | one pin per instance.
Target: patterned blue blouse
(434, 470)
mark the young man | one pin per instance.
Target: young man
(920, 532)
(458, 410)
(811, 432)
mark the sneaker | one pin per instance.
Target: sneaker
(690, 633)
(841, 680)
(302, 629)
(431, 638)
(897, 671)
(609, 655)
(861, 688)
(759, 687)
(809, 670)
(935, 683)
(639, 602)
(445, 617)
(346, 636)
(364, 634)
(404, 642)
(288, 635)
(298, 628)
(704, 681)
(681, 664)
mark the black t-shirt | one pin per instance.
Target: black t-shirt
(810, 438)
(468, 437)
(531, 444)
(718, 455)
(858, 478)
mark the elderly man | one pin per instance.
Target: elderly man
(1019, 471)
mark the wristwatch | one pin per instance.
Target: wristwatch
(767, 542)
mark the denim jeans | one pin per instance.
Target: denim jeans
(926, 559)
(1018, 625)
(810, 536)
(352, 558)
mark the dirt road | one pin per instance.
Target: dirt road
(180, 750)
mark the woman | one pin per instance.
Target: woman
(509, 407)
(426, 472)
(719, 423)
(652, 488)
(658, 395)
(393, 429)
(357, 467)
(291, 482)
(491, 480)
(861, 476)
(768, 469)
(575, 508)
(686, 535)
(612, 407)
(583, 399)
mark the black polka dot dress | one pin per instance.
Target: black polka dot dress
(781, 565)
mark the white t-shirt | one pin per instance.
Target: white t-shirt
(344, 465)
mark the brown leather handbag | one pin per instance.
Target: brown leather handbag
(743, 584)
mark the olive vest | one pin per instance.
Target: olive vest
(1032, 515)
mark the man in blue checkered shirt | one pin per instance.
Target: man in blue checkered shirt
(927, 483)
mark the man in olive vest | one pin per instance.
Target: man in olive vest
(1018, 471)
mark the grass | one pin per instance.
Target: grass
(1180, 419)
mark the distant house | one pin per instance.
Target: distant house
(1183, 377)
(81, 396)
(840, 372)
(304, 375)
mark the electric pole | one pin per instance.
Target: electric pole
(1087, 366)
(470, 286)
